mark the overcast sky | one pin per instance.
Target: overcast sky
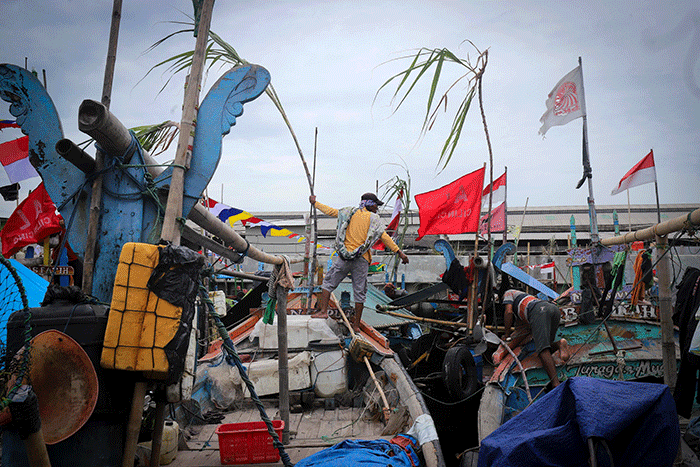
(328, 59)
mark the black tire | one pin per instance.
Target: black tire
(459, 373)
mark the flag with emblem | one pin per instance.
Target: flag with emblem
(452, 209)
(565, 102)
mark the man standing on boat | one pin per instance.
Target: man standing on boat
(542, 319)
(358, 229)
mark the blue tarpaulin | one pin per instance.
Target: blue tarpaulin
(379, 453)
(638, 421)
(34, 285)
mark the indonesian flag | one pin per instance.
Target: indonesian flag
(452, 209)
(393, 226)
(565, 102)
(498, 211)
(547, 268)
(643, 172)
(14, 157)
(34, 219)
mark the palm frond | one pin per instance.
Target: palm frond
(156, 139)
(420, 63)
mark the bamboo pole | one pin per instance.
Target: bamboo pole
(668, 346)
(96, 199)
(662, 229)
(173, 208)
(386, 410)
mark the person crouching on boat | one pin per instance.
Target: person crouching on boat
(541, 319)
(358, 229)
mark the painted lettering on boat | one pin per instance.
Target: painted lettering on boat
(630, 370)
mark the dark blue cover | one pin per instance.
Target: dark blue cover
(638, 421)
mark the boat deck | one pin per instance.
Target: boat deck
(312, 430)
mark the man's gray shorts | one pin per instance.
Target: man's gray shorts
(357, 268)
(544, 321)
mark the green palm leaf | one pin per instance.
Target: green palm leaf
(420, 64)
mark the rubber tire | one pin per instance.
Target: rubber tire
(459, 373)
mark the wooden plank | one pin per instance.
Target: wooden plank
(309, 424)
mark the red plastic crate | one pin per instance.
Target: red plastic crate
(248, 443)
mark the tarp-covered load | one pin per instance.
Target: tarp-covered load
(637, 421)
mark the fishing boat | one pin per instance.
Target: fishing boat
(131, 206)
(633, 342)
(335, 394)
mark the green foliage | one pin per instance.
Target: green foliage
(421, 63)
(156, 139)
(220, 52)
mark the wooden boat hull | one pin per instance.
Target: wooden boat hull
(638, 358)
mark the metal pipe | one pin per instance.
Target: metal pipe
(75, 155)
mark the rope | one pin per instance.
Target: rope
(233, 357)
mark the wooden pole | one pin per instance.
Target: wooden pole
(283, 363)
(173, 208)
(629, 211)
(96, 199)
(668, 346)
(386, 410)
(517, 238)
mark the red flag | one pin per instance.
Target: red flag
(498, 220)
(498, 206)
(452, 209)
(643, 172)
(34, 219)
(393, 226)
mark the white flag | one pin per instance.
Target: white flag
(565, 102)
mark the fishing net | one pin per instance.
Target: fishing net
(14, 369)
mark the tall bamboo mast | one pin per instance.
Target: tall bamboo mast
(96, 199)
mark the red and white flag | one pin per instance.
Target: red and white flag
(498, 206)
(565, 102)
(14, 157)
(393, 226)
(452, 209)
(547, 268)
(643, 172)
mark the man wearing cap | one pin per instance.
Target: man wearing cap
(358, 229)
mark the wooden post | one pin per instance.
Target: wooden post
(283, 367)
(668, 346)
(96, 199)
(527, 288)
(173, 209)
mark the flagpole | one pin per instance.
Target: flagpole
(505, 209)
(588, 173)
(656, 188)
(629, 211)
